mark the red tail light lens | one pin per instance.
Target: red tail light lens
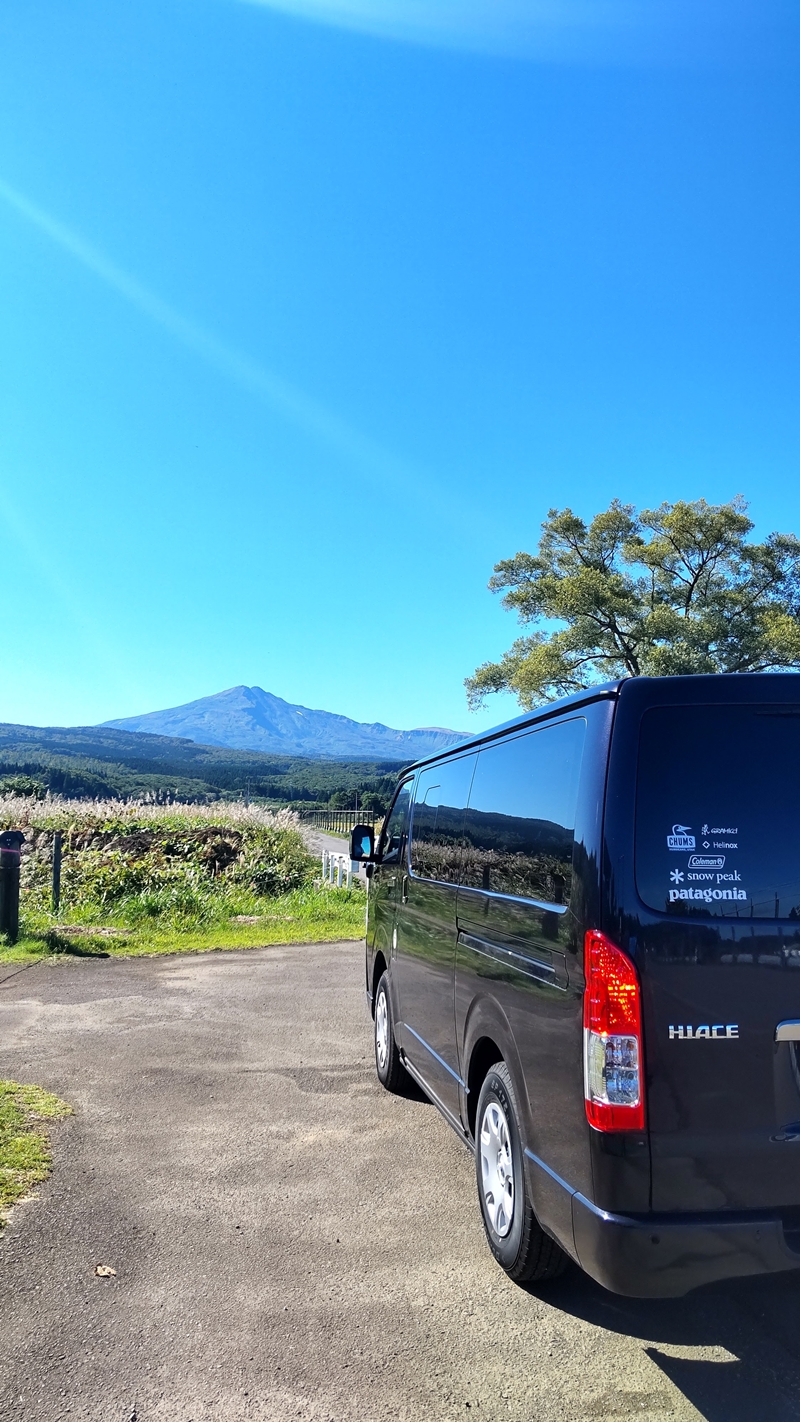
(612, 1038)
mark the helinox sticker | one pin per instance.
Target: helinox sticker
(681, 837)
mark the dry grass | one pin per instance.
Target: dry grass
(26, 812)
(142, 878)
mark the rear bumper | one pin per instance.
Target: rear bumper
(658, 1256)
(664, 1256)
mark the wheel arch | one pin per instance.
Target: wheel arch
(488, 1039)
(484, 1055)
(378, 969)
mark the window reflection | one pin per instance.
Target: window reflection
(395, 827)
(519, 828)
(437, 834)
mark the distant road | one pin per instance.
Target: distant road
(317, 840)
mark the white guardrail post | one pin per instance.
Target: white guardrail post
(337, 870)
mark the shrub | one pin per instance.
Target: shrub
(133, 863)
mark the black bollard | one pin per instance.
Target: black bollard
(11, 842)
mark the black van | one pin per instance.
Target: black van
(583, 943)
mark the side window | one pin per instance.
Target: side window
(395, 826)
(437, 826)
(519, 828)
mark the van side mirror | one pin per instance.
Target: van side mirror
(362, 843)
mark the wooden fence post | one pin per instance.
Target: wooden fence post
(56, 871)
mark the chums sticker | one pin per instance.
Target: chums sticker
(706, 895)
(681, 837)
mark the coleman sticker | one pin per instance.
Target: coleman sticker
(681, 838)
(707, 861)
(705, 1033)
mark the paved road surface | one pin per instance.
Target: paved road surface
(291, 1242)
(317, 840)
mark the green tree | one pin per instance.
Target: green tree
(667, 591)
(374, 802)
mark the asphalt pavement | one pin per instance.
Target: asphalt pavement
(290, 1242)
(317, 840)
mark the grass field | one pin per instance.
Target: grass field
(140, 879)
(24, 1141)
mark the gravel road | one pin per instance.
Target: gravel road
(291, 1242)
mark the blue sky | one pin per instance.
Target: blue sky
(309, 311)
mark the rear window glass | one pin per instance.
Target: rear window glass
(718, 811)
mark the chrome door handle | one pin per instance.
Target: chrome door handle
(787, 1032)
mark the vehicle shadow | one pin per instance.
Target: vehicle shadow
(411, 1091)
(755, 1320)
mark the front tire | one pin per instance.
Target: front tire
(388, 1062)
(516, 1239)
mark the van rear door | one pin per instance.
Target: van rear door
(717, 875)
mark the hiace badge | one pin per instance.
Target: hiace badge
(681, 838)
(708, 1032)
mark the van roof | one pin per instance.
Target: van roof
(716, 686)
(542, 713)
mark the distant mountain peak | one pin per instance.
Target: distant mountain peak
(249, 718)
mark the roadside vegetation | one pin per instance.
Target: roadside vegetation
(25, 1154)
(142, 878)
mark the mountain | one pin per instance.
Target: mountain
(247, 718)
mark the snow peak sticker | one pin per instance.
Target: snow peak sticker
(706, 895)
(705, 1033)
(681, 837)
(707, 861)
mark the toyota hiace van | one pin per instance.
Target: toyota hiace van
(583, 943)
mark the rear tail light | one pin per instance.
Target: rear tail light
(612, 1038)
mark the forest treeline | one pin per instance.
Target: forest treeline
(100, 762)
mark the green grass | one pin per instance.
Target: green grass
(142, 878)
(24, 1143)
(307, 915)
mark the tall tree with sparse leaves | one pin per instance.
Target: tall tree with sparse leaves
(667, 591)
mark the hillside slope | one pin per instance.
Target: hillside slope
(248, 718)
(79, 761)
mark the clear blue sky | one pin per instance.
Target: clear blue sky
(310, 310)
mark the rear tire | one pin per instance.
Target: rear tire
(388, 1062)
(516, 1239)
